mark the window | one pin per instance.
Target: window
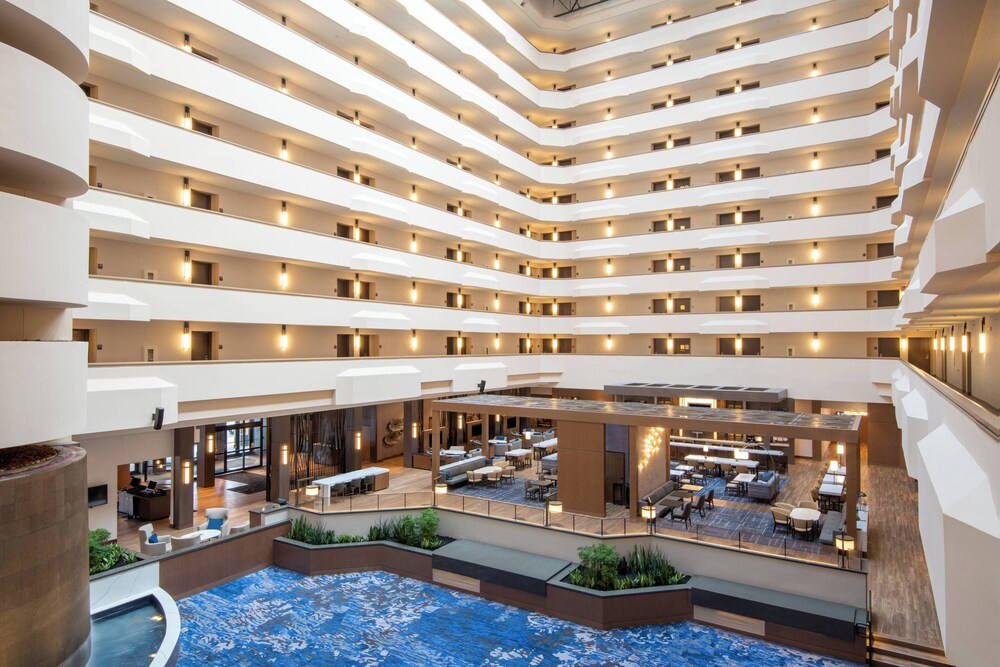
(749, 172)
(680, 306)
(453, 208)
(204, 54)
(566, 125)
(204, 200)
(204, 128)
(565, 162)
(451, 300)
(730, 218)
(345, 289)
(347, 232)
(732, 89)
(884, 201)
(204, 273)
(886, 298)
(89, 89)
(458, 345)
(747, 259)
(882, 153)
(885, 249)
(664, 225)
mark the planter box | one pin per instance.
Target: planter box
(607, 610)
(312, 559)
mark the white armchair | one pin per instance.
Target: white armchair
(185, 542)
(158, 548)
(216, 513)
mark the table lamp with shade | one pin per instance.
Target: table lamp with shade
(845, 545)
(649, 514)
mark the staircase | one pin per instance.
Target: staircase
(889, 652)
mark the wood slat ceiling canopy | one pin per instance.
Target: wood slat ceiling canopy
(725, 392)
(836, 428)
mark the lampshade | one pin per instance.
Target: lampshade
(648, 512)
(440, 488)
(840, 448)
(742, 455)
(555, 506)
(844, 542)
(834, 465)
(312, 490)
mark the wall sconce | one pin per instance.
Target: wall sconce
(608, 305)
(738, 88)
(357, 340)
(965, 343)
(460, 299)
(982, 336)
(187, 42)
(738, 174)
(186, 192)
(413, 292)
(284, 454)
(413, 193)
(739, 342)
(738, 132)
(608, 154)
(496, 301)
(738, 44)
(413, 242)
(670, 60)
(357, 441)
(186, 122)
(186, 337)
(186, 472)
(357, 286)
(608, 267)
(413, 340)
(210, 442)
(951, 341)
(414, 430)
(608, 343)
(815, 116)
(283, 279)
(815, 342)
(738, 216)
(283, 215)
(283, 338)
(459, 342)
(903, 344)
(935, 343)
(670, 181)
(555, 123)
(670, 222)
(284, 149)
(186, 265)
(413, 143)
(670, 100)
(739, 301)
(814, 25)
(815, 206)
(496, 220)
(670, 303)
(815, 70)
(357, 117)
(670, 343)
(815, 251)
(527, 343)
(609, 230)
(815, 296)
(608, 78)
(608, 191)
(284, 85)
(670, 262)
(815, 161)
(459, 255)
(496, 341)
(738, 259)
(461, 421)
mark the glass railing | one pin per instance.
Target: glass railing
(785, 546)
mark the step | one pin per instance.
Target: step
(898, 653)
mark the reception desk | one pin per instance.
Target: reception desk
(380, 479)
(145, 506)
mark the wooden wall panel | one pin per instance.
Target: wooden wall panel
(885, 445)
(581, 467)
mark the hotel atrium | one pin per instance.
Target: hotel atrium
(268, 263)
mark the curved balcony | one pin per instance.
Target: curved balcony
(44, 255)
(195, 151)
(49, 153)
(121, 214)
(53, 32)
(43, 391)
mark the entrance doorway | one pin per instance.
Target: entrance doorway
(240, 445)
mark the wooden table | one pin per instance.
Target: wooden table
(832, 490)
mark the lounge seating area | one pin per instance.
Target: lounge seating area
(215, 526)
(455, 474)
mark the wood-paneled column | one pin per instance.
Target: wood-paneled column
(182, 479)
(279, 457)
(206, 456)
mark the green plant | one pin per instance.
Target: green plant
(599, 563)
(349, 539)
(104, 555)
(652, 565)
(428, 526)
(407, 532)
(601, 568)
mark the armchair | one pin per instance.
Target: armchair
(212, 517)
(185, 542)
(158, 548)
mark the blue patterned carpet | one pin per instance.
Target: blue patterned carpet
(278, 617)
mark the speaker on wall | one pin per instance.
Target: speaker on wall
(157, 419)
(482, 386)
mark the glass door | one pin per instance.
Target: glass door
(240, 445)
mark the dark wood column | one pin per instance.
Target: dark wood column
(182, 479)
(354, 437)
(279, 457)
(581, 467)
(852, 453)
(206, 456)
(632, 474)
(412, 428)
(436, 434)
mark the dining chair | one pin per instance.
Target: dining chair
(710, 499)
(809, 505)
(508, 473)
(684, 516)
(803, 527)
(781, 518)
(699, 504)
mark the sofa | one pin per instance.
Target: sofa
(765, 487)
(658, 495)
(454, 474)
(550, 463)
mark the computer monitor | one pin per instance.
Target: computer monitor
(136, 483)
(152, 485)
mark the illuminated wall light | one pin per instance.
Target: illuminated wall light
(555, 161)
(965, 343)
(496, 220)
(903, 344)
(738, 259)
(738, 216)
(357, 340)
(357, 174)
(951, 343)
(935, 343)
(670, 222)
(738, 174)
(413, 340)
(670, 343)
(284, 85)
(815, 116)
(815, 70)
(815, 161)
(460, 300)
(738, 44)
(608, 115)
(608, 267)
(982, 337)
(283, 279)
(609, 230)
(283, 338)
(739, 300)
(815, 342)
(609, 305)
(413, 292)
(283, 215)
(186, 192)
(186, 265)
(357, 441)
(459, 255)
(554, 124)
(670, 60)
(284, 149)
(209, 442)
(738, 88)
(670, 141)
(608, 191)
(608, 77)
(284, 455)
(413, 193)
(459, 342)
(670, 101)
(357, 286)
(413, 143)
(670, 19)
(186, 472)
(357, 117)
(555, 342)
(186, 337)
(739, 342)
(186, 122)
(414, 429)
(496, 346)
(608, 154)
(670, 181)
(496, 301)
(357, 230)
(670, 303)
(815, 296)
(608, 38)
(814, 253)
(496, 261)
(555, 199)
(413, 243)
(814, 25)
(187, 42)
(815, 206)
(608, 343)
(670, 262)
